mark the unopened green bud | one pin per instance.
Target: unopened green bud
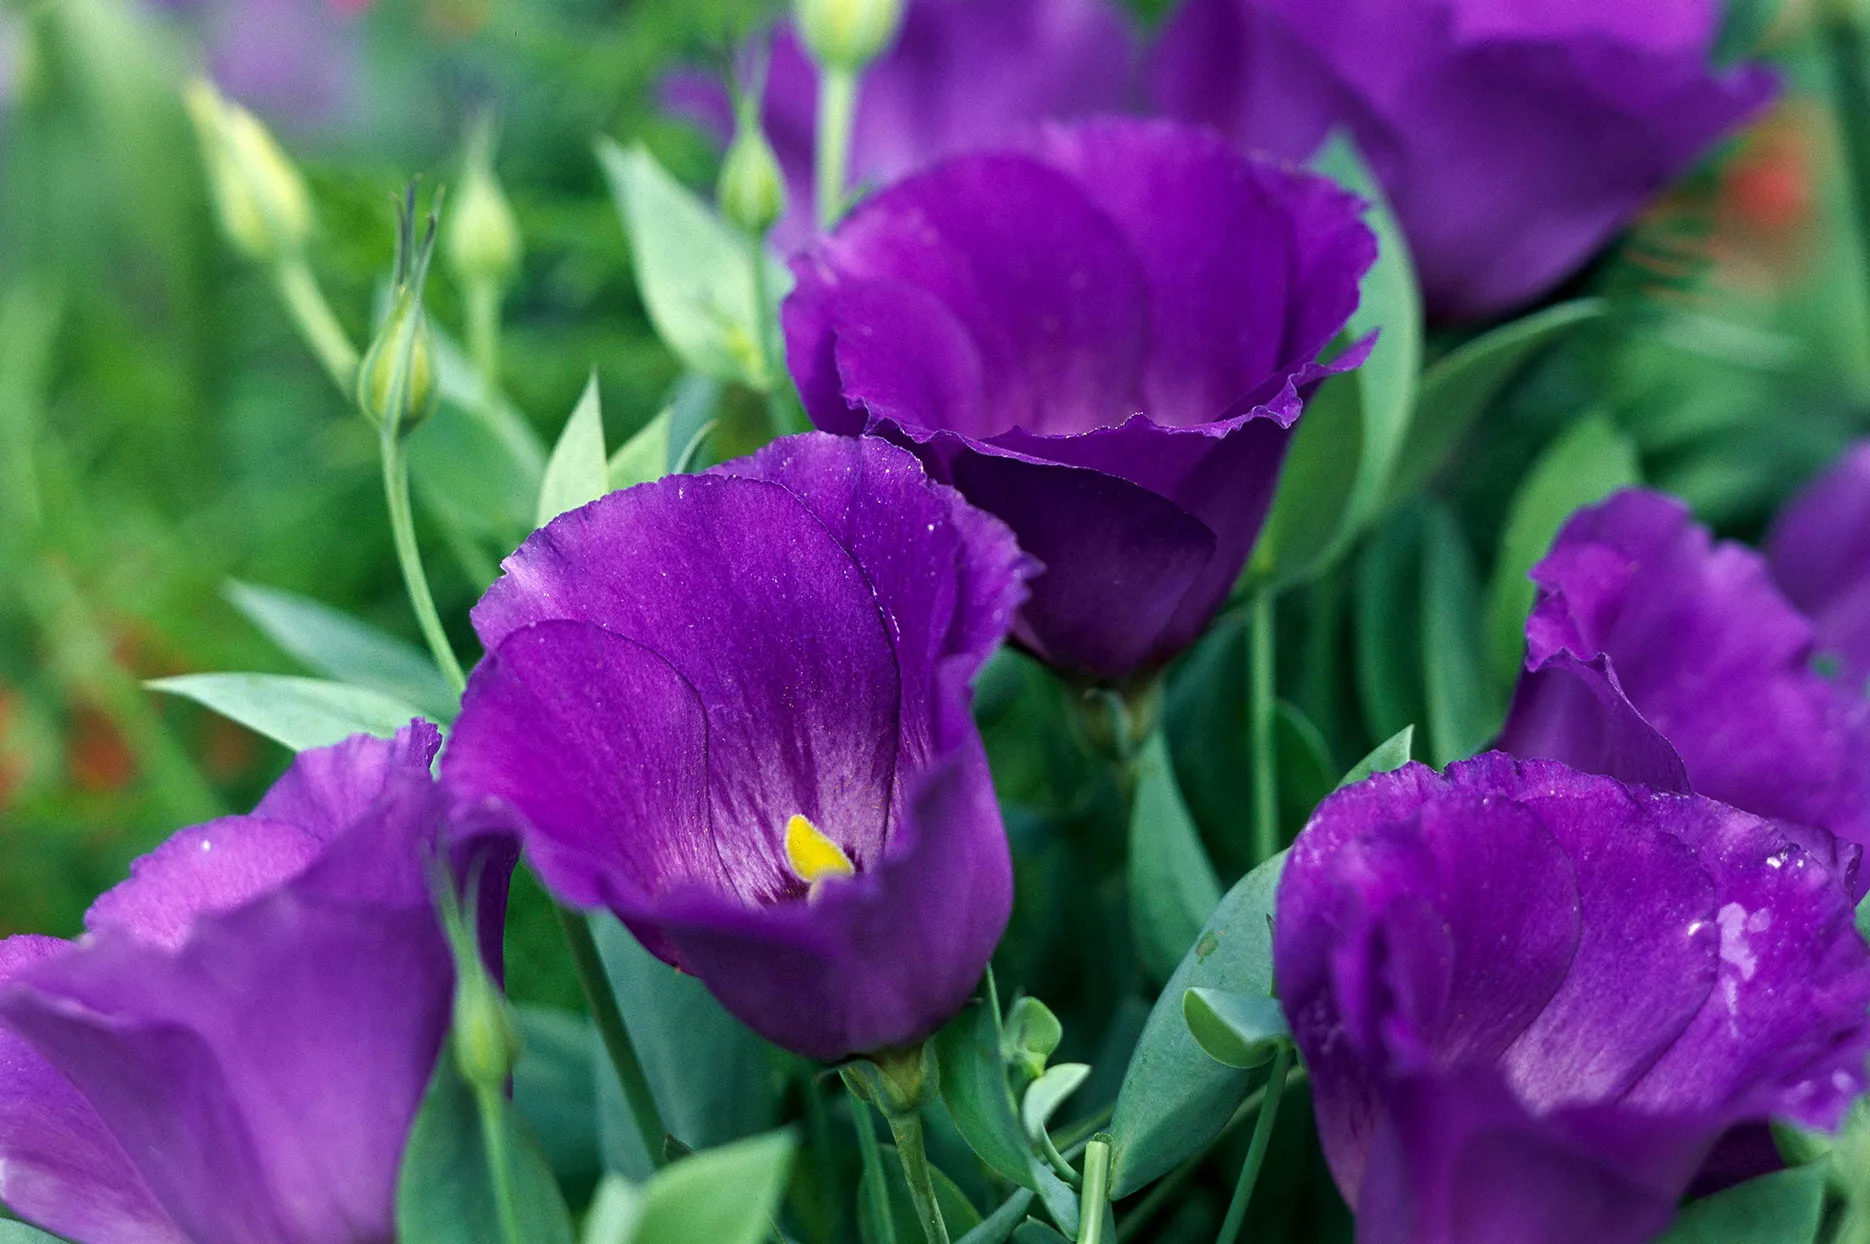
(486, 1043)
(753, 189)
(261, 198)
(848, 34)
(482, 238)
(396, 380)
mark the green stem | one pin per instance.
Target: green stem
(616, 1037)
(912, 1152)
(1260, 723)
(493, 1135)
(837, 107)
(875, 1187)
(1256, 1151)
(305, 301)
(1094, 1201)
(483, 325)
(415, 579)
(1844, 39)
(818, 1129)
(772, 356)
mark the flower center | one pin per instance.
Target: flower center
(813, 856)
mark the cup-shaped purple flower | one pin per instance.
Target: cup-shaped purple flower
(1658, 655)
(961, 75)
(1102, 337)
(734, 709)
(235, 1050)
(1532, 999)
(1513, 139)
(1819, 550)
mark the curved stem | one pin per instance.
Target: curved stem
(1256, 1151)
(1260, 723)
(837, 107)
(617, 1043)
(305, 301)
(493, 1136)
(415, 579)
(912, 1152)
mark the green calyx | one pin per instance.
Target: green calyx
(396, 385)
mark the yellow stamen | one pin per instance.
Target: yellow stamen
(812, 855)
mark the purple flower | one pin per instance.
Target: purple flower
(1514, 139)
(236, 1049)
(734, 709)
(1102, 337)
(962, 74)
(1820, 555)
(1532, 999)
(293, 60)
(1659, 656)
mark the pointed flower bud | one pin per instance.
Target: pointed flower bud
(396, 381)
(848, 34)
(263, 204)
(752, 190)
(486, 1041)
(482, 239)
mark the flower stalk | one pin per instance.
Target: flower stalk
(616, 1037)
(1260, 692)
(1094, 1199)
(1256, 1150)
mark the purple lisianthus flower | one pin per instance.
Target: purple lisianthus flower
(961, 75)
(1658, 655)
(1101, 336)
(1819, 550)
(734, 709)
(236, 1049)
(295, 61)
(1531, 999)
(1513, 139)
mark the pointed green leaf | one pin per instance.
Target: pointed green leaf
(1392, 753)
(974, 1088)
(1781, 1208)
(1458, 389)
(998, 1227)
(694, 270)
(1046, 1094)
(578, 472)
(555, 1092)
(342, 648)
(1863, 919)
(1172, 883)
(1032, 1034)
(615, 1210)
(1388, 634)
(1588, 463)
(1234, 1029)
(1465, 707)
(20, 1233)
(1175, 1098)
(722, 1196)
(644, 458)
(301, 713)
(444, 1193)
(1306, 771)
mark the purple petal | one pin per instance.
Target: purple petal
(59, 1166)
(1820, 554)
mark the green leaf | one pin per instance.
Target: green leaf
(644, 458)
(1032, 1231)
(1458, 389)
(555, 1092)
(957, 1211)
(1465, 708)
(615, 1210)
(476, 467)
(723, 1196)
(1348, 442)
(1175, 1098)
(999, 1226)
(695, 271)
(1863, 919)
(342, 648)
(1582, 467)
(711, 1076)
(1306, 771)
(20, 1233)
(1235, 1029)
(1392, 753)
(444, 1193)
(577, 473)
(301, 713)
(1781, 1208)
(974, 1088)
(1032, 1034)
(1046, 1094)
(1388, 636)
(1172, 883)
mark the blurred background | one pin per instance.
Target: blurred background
(164, 432)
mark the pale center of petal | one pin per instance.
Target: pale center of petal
(814, 857)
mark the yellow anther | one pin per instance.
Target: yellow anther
(813, 856)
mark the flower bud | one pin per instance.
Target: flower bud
(486, 1043)
(482, 239)
(396, 380)
(848, 34)
(263, 204)
(752, 190)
